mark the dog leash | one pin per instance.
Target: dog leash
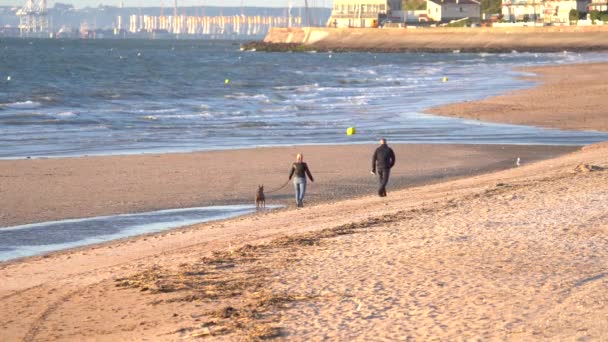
(282, 186)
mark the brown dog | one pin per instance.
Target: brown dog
(260, 200)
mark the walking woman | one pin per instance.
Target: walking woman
(300, 170)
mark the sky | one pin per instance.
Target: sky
(169, 3)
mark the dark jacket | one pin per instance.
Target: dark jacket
(383, 159)
(300, 170)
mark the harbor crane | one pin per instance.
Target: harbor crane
(33, 19)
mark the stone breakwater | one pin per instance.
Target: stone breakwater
(522, 39)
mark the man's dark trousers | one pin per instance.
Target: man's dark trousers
(383, 175)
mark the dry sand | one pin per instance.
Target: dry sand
(568, 97)
(518, 254)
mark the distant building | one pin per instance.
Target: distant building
(598, 5)
(522, 10)
(558, 11)
(544, 11)
(448, 10)
(208, 22)
(361, 13)
(411, 17)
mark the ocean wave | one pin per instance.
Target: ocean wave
(174, 107)
(288, 88)
(195, 116)
(353, 81)
(429, 71)
(358, 100)
(22, 105)
(17, 122)
(305, 107)
(185, 116)
(67, 114)
(256, 124)
(279, 109)
(307, 88)
(355, 71)
(24, 116)
(158, 111)
(107, 95)
(242, 96)
(206, 115)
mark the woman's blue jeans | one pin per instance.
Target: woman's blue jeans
(299, 185)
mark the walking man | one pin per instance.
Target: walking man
(382, 162)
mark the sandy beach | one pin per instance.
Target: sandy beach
(36, 190)
(466, 245)
(438, 39)
(567, 97)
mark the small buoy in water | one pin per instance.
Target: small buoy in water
(329, 56)
(226, 81)
(351, 131)
(8, 78)
(139, 54)
(445, 79)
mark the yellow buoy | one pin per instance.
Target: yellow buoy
(226, 81)
(445, 79)
(351, 131)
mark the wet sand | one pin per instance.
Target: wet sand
(37, 190)
(567, 97)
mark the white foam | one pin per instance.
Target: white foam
(307, 88)
(66, 114)
(158, 111)
(185, 116)
(22, 105)
(242, 96)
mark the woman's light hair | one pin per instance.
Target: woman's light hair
(299, 157)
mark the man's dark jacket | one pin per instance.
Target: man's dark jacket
(383, 159)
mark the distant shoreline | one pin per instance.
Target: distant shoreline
(435, 40)
(569, 97)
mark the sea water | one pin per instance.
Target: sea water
(92, 97)
(99, 97)
(33, 239)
